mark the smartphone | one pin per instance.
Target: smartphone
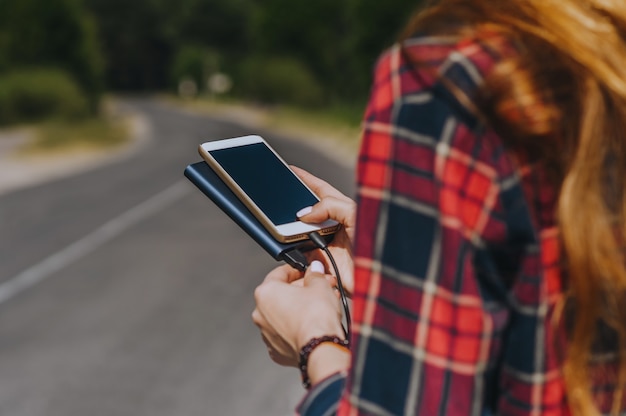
(265, 184)
(205, 178)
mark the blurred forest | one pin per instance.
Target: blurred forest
(61, 56)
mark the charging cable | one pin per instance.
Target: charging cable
(319, 241)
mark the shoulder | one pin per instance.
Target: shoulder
(452, 67)
(422, 114)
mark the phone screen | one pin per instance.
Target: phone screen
(266, 180)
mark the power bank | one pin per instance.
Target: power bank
(205, 179)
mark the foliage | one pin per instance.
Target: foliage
(52, 33)
(149, 45)
(338, 40)
(217, 24)
(276, 80)
(137, 41)
(195, 62)
(375, 25)
(35, 94)
(315, 33)
(143, 39)
(146, 41)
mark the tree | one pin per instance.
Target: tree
(338, 40)
(135, 42)
(142, 37)
(375, 25)
(56, 33)
(314, 33)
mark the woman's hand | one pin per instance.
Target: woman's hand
(291, 309)
(333, 205)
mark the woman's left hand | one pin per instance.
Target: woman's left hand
(337, 206)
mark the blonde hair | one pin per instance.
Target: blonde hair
(568, 86)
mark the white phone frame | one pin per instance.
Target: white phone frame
(289, 232)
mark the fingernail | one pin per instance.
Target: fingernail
(317, 266)
(304, 211)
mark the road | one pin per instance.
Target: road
(124, 291)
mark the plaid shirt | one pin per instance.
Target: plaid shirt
(456, 254)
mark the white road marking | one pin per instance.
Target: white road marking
(97, 238)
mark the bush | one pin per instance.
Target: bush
(53, 34)
(36, 94)
(195, 63)
(279, 80)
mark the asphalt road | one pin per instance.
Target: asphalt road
(124, 291)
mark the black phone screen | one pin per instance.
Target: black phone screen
(266, 180)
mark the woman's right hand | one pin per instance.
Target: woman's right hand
(337, 206)
(293, 307)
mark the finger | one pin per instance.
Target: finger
(316, 267)
(337, 292)
(275, 355)
(339, 210)
(284, 274)
(257, 318)
(332, 280)
(266, 341)
(315, 255)
(315, 274)
(321, 188)
(298, 283)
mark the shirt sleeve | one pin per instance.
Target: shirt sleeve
(323, 398)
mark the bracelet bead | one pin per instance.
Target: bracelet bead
(310, 346)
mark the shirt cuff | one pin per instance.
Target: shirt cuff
(323, 398)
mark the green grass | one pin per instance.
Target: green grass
(87, 134)
(340, 122)
(340, 115)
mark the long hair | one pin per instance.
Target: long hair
(564, 100)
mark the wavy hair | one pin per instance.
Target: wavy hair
(567, 87)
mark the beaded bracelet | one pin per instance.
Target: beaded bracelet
(309, 347)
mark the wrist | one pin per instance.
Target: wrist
(323, 356)
(327, 359)
(318, 330)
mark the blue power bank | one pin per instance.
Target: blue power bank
(201, 175)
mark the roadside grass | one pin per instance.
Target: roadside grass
(338, 120)
(337, 125)
(334, 115)
(340, 124)
(92, 133)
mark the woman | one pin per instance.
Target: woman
(489, 273)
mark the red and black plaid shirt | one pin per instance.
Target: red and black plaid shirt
(456, 254)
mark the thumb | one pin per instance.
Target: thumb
(314, 273)
(341, 210)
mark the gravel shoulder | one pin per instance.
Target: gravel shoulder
(20, 169)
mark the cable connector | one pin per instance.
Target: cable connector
(296, 259)
(318, 240)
